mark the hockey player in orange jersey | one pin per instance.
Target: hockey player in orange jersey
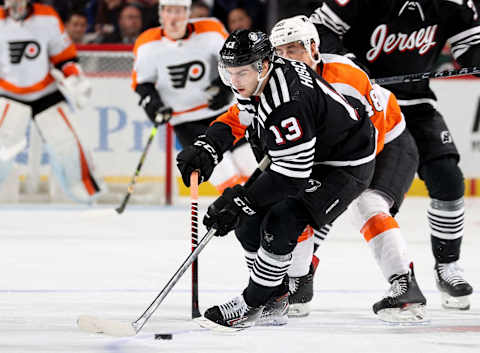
(296, 38)
(33, 44)
(175, 74)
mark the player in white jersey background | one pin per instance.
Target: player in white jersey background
(33, 47)
(175, 74)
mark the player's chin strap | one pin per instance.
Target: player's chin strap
(261, 79)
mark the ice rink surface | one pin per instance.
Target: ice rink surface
(58, 262)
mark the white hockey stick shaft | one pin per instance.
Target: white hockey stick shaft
(427, 75)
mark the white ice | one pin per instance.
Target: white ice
(58, 262)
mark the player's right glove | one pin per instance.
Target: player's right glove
(224, 213)
(153, 105)
(202, 156)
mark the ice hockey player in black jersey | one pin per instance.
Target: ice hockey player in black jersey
(399, 37)
(322, 157)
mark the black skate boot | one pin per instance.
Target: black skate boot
(454, 289)
(276, 309)
(301, 292)
(404, 301)
(234, 315)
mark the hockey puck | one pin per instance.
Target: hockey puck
(163, 336)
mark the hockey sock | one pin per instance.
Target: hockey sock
(446, 220)
(387, 244)
(320, 235)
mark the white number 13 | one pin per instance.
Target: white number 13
(292, 126)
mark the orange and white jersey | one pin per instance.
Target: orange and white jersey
(28, 48)
(181, 69)
(380, 104)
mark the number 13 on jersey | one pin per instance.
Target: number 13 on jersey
(293, 131)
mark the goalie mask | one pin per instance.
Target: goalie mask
(296, 29)
(17, 9)
(244, 49)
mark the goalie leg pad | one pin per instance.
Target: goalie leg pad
(69, 159)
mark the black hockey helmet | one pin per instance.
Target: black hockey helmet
(244, 47)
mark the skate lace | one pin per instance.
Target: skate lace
(451, 273)
(399, 286)
(293, 284)
(234, 308)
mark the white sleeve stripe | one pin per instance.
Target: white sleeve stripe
(462, 35)
(290, 173)
(459, 50)
(296, 155)
(466, 40)
(336, 97)
(263, 102)
(294, 160)
(283, 85)
(273, 88)
(330, 24)
(295, 149)
(348, 90)
(326, 12)
(294, 166)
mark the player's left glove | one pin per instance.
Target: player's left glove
(224, 213)
(220, 95)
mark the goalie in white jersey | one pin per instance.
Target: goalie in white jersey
(175, 73)
(33, 49)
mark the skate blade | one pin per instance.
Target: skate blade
(455, 303)
(299, 310)
(114, 328)
(410, 313)
(270, 321)
(205, 323)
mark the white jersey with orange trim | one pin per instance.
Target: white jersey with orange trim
(28, 48)
(380, 104)
(181, 69)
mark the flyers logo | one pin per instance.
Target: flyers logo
(179, 74)
(18, 50)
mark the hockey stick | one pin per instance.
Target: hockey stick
(426, 75)
(94, 324)
(122, 206)
(194, 219)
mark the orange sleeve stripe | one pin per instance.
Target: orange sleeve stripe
(10, 87)
(378, 224)
(306, 234)
(230, 117)
(148, 36)
(68, 54)
(234, 180)
(2, 13)
(344, 73)
(210, 25)
(46, 10)
(134, 80)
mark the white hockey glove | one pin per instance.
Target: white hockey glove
(76, 88)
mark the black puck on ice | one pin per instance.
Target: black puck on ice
(163, 336)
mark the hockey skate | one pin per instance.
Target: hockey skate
(301, 292)
(234, 315)
(454, 290)
(404, 301)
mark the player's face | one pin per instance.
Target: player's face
(17, 9)
(174, 20)
(244, 79)
(294, 51)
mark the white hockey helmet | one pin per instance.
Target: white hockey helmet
(17, 9)
(186, 3)
(295, 29)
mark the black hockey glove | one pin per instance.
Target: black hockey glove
(153, 105)
(224, 213)
(220, 95)
(201, 156)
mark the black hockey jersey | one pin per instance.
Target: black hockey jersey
(301, 121)
(398, 37)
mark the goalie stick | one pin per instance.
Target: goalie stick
(116, 328)
(426, 75)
